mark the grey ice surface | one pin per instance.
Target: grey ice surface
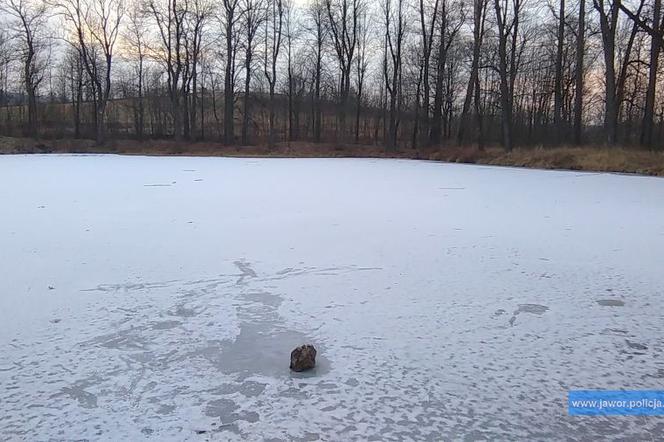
(159, 298)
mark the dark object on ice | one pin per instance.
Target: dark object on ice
(303, 358)
(611, 303)
(636, 345)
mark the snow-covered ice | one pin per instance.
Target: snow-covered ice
(160, 298)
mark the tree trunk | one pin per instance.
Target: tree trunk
(580, 74)
(505, 90)
(358, 110)
(317, 106)
(246, 117)
(608, 24)
(558, 91)
(30, 89)
(655, 47)
(473, 79)
(229, 137)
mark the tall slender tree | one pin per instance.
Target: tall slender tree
(558, 82)
(253, 18)
(273, 33)
(28, 23)
(96, 27)
(343, 22)
(394, 36)
(472, 89)
(579, 75)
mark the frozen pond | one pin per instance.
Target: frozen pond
(159, 298)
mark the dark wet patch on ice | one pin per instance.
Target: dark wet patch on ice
(264, 343)
(130, 286)
(142, 357)
(165, 325)
(77, 392)
(614, 331)
(352, 382)
(264, 298)
(611, 302)
(308, 437)
(294, 393)
(499, 312)
(246, 389)
(247, 271)
(227, 412)
(657, 375)
(165, 409)
(184, 312)
(221, 408)
(328, 271)
(211, 282)
(636, 345)
(533, 309)
(260, 349)
(157, 185)
(121, 340)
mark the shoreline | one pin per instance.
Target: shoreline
(587, 159)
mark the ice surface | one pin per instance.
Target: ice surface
(159, 298)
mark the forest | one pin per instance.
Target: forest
(392, 73)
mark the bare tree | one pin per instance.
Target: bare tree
(361, 67)
(169, 18)
(136, 49)
(472, 90)
(6, 52)
(655, 49)
(394, 16)
(96, 26)
(196, 20)
(508, 14)
(230, 17)
(319, 30)
(28, 25)
(428, 14)
(291, 40)
(558, 86)
(5, 61)
(579, 73)
(253, 18)
(655, 29)
(274, 22)
(608, 20)
(609, 14)
(74, 78)
(343, 16)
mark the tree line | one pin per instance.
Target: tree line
(398, 73)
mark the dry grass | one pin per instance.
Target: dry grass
(598, 159)
(588, 158)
